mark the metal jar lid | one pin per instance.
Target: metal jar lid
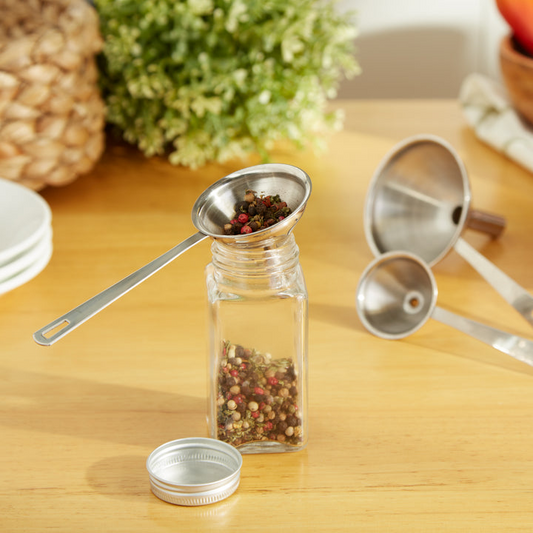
(194, 471)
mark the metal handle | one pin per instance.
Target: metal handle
(517, 347)
(488, 223)
(71, 320)
(512, 293)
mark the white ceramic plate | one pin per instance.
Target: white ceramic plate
(28, 273)
(26, 258)
(24, 218)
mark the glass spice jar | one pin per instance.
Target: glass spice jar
(258, 322)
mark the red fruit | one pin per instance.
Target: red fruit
(268, 426)
(243, 366)
(255, 414)
(234, 373)
(243, 218)
(246, 229)
(238, 399)
(259, 390)
(262, 405)
(266, 201)
(281, 217)
(519, 16)
(272, 381)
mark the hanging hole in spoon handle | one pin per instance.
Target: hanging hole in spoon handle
(511, 291)
(517, 347)
(65, 324)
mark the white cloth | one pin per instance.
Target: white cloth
(495, 122)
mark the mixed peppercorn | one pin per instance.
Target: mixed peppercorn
(257, 398)
(255, 213)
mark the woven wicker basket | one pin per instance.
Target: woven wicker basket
(51, 112)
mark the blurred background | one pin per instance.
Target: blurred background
(421, 49)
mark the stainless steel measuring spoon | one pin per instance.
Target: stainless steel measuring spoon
(213, 208)
(419, 201)
(397, 294)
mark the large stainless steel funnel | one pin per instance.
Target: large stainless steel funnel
(419, 201)
(397, 294)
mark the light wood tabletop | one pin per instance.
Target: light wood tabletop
(430, 433)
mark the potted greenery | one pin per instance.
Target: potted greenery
(210, 80)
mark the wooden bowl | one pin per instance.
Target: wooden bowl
(517, 72)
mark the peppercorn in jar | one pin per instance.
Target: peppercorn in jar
(257, 398)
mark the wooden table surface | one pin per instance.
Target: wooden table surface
(430, 433)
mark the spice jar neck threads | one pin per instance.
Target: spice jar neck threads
(272, 263)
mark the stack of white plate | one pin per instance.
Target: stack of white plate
(25, 235)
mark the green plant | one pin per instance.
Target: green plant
(216, 79)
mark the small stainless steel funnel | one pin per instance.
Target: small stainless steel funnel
(419, 202)
(397, 294)
(211, 211)
(216, 205)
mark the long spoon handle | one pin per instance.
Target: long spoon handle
(71, 320)
(512, 293)
(517, 347)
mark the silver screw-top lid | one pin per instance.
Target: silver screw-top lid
(194, 471)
